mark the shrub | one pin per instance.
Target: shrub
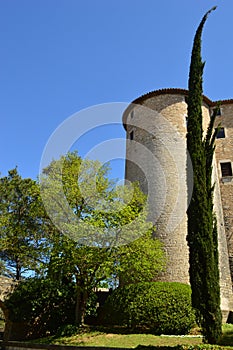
(159, 307)
(44, 305)
(67, 330)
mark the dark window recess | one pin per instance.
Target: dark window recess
(219, 112)
(226, 169)
(132, 114)
(131, 135)
(220, 134)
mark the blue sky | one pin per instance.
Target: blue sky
(58, 57)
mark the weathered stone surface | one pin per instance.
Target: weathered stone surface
(7, 285)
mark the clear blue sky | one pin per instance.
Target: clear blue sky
(60, 56)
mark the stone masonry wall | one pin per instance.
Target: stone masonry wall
(158, 149)
(224, 153)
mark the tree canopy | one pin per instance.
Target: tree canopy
(22, 216)
(76, 226)
(113, 217)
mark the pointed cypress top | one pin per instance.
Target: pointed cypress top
(201, 25)
(196, 51)
(195, 76)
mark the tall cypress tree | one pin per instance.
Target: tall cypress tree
(202, 228)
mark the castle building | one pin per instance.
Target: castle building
(156, 157)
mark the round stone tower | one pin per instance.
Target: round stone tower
(156, 157)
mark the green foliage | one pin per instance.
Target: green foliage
(89, 208)
(141, 260)
(100, 218)
(67, 330)
(21, 226)
(92, 236)
(42, 304)
(158, 307)
(202, 228)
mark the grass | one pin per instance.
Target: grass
(101, 338)
(123, 340)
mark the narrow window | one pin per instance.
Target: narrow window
(131, 135)
(219, 111)
(132, 114)
(221, 134)
(226, 169)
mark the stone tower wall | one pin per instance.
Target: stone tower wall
(224, 153)
(160, 126)
(225, 274)
(156, 157)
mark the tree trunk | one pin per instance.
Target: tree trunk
(81, 303)
(18, 269)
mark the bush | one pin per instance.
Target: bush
(44, 305)
(159, 307)
(67, 330)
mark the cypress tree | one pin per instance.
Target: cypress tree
(202, 227)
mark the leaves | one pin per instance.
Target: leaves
(99, 226)
(141, 260)
(202, 229)
(76, 227)
(21, 225)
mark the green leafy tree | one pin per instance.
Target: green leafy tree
(202, 231)
(42, 304)
(141, 260)
(21, 225)
(94, 220)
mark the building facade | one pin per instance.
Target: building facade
(156, 157)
